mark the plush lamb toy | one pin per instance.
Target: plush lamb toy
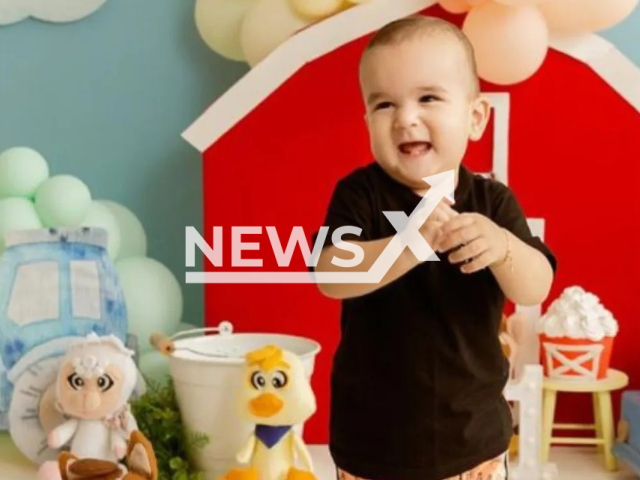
(96, 379)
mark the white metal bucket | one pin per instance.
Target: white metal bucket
(206, 371)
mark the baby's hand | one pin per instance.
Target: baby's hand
(482, 243)
(431, 228)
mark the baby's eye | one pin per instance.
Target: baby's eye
(428, 98)
(383, 105)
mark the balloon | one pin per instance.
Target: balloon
(455, 6)
(267, 24)
(22, 170)
(316, 9)
(582, 16)
(101, 217)
(62, 201)
(153, 297)
(155, 367)
(17, 214)
(510, 44)
(519, 3)
(218, 23)
(133, 239)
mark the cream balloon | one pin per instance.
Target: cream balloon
(316, 9)
(582, 16)
(219, 22)
(455, 6)
(510, 43)
(267, 24)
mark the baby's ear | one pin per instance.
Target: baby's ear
(141, 458)
(480, 114)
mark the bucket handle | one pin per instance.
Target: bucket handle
(165, 344)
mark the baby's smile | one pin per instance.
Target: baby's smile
(415, 149)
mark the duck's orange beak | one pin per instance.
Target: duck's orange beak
(266, 405)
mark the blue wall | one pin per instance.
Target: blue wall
(106, 99)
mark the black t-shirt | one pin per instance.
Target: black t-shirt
(418, 376)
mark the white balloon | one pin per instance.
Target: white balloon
(12, 11)
(219, 22)
(316, 8)
(267, 24)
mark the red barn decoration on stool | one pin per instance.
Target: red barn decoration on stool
(566, 140)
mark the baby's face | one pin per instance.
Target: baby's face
(421, 107)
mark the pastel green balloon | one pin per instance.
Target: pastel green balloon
(153, 298)
(133, 239)
(62, 201)
(17, 214)
(100, 216)
(22, 171)
(155, 367)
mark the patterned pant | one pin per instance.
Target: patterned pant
(496, 469)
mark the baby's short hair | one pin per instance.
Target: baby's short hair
(413, 26)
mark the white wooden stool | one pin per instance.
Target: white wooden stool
(602, 411)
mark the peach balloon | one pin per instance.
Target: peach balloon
(267, 24)
(455, 6)
(582, 16)
(316, 9)
(510, 43)
(519, 3)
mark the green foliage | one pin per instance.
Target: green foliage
(158, 418)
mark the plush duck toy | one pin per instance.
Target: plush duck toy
(275, 395)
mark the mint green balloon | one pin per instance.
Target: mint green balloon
(22, 171)
(154, 367)
(62, 201)
(133, 239)
(100, 216)
(153, 298)
(17, 214)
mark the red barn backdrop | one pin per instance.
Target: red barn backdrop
(574, 160)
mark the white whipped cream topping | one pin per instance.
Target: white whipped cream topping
(578, 314)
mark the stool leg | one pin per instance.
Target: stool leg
(606, 419)
(597, 421)
(549, 407)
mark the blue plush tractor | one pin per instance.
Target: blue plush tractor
(56, 286)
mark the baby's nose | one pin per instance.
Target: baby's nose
(406, 117)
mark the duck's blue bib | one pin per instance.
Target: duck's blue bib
(270, 435)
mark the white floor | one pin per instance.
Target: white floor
(573, 463)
